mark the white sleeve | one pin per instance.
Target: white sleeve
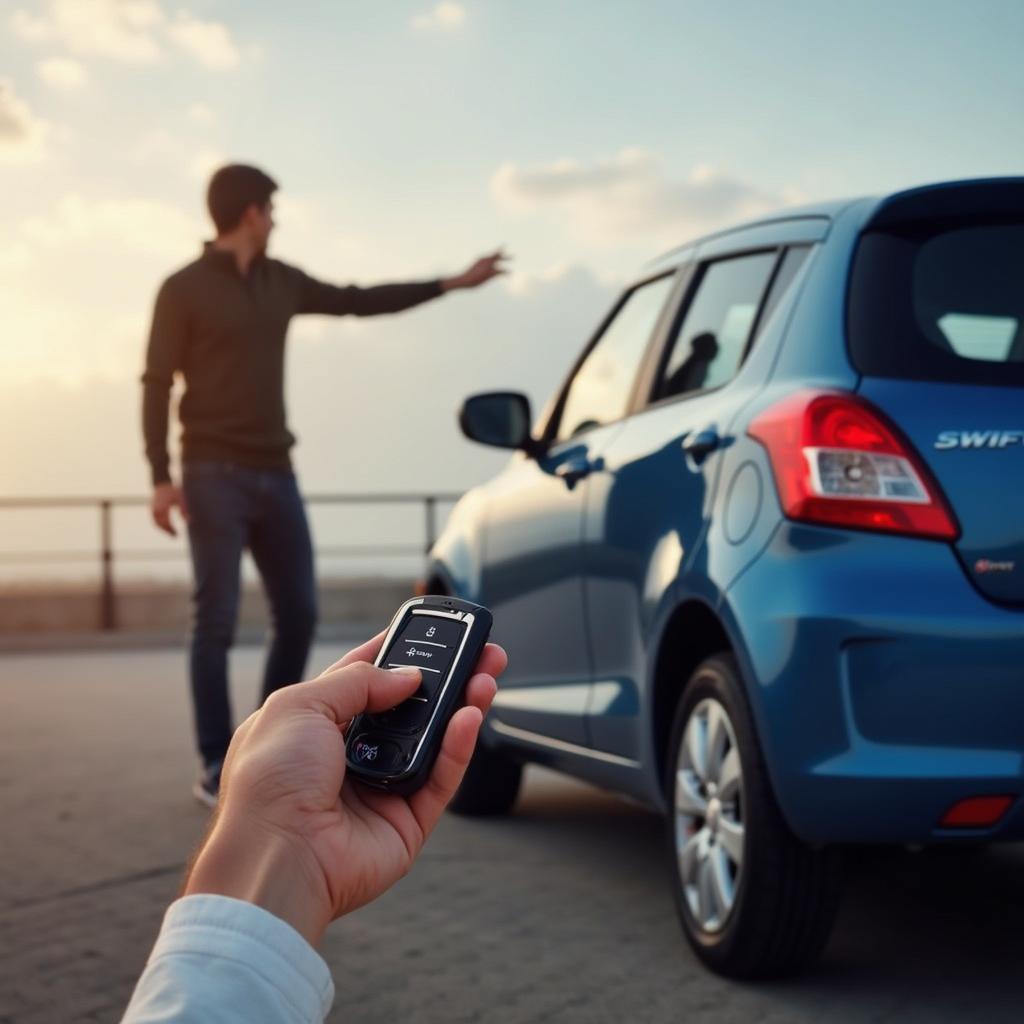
(219, 960)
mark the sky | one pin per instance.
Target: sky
(409, 137)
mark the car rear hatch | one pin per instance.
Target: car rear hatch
(935, 325)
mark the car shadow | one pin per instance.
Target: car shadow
(932, 935)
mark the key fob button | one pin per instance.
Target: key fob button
(424, 629)
(433, 661)
(411, 715)
(429, 688)
(427, 643)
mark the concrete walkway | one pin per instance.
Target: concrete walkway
(560, 912)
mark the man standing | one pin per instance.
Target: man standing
(221, 322)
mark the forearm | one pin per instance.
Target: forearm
(156, 404)
(456, 281)
(393, 298)
(168, 338)
(265, 868)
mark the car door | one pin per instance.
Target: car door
(646, 513)
(531, 577)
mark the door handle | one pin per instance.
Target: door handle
(573, 471)
(700, 446)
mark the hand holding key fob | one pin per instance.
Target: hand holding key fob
(443, 637)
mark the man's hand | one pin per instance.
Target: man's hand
(292, 834)
(483, 270)
(166, 497)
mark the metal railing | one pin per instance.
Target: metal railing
(108, 554)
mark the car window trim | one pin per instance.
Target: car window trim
(785, 229)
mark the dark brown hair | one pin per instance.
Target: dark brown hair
(232, 190)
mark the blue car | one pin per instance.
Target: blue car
(760, 563)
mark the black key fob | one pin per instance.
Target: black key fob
(443, 637)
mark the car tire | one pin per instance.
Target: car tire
(770, 912)
(490, 785)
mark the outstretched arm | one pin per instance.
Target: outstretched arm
(336, 300)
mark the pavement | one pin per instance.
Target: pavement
(559, 912)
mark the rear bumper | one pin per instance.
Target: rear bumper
(884, 688)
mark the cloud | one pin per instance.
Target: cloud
(204, 163)
(209, 42)
(630, 197)
(200, 113)
(14, 256)
(105, 226)
(134, 31)
(106, 256)
(22, 134)
(158, 145)
(29, 26)
(120, 29)
(62, 73)
(176, 149)
(444, 17)
(522, 283)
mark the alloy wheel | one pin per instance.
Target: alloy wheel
(709, 824)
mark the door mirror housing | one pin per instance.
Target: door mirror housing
(499, 418)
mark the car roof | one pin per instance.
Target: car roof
(827, 210)
(982, 192)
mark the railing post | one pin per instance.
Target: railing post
(108, 606)
(430, 505)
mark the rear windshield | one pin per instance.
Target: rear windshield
(945, 304)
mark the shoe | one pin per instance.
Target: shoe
(207, 787)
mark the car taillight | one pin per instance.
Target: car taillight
(838, 462)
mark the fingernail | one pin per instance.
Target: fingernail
(405, 670)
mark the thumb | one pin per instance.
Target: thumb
(343, 693)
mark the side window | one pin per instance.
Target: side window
(712, 337)
(599, 392)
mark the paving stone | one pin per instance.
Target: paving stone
(560, 912)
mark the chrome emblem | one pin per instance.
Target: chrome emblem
(949, 439)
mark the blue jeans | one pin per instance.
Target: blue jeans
(231, 508)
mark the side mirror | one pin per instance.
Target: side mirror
(498, 418)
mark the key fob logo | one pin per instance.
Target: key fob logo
(366, 751)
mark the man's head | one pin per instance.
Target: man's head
(239, 200)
